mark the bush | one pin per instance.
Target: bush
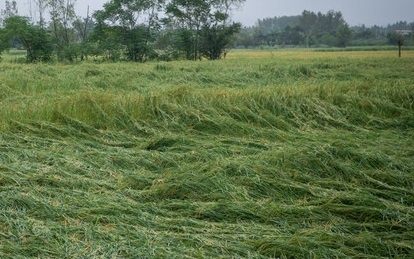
(34, 39)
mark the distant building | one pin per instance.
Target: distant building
(404, 32)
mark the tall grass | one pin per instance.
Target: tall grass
(284, 154)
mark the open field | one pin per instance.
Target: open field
(289, 154)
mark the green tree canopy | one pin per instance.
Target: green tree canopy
(209, 30)
(128, 23)
(34, 39)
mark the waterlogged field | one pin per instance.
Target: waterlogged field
(290, 154)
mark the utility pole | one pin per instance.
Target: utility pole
(400, 43)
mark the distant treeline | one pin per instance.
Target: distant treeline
(321, 30)
(129, 30)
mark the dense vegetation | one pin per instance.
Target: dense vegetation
(123, 30)
(321, 30)
(165, 30)
(264, 154)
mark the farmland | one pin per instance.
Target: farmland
(290, 154)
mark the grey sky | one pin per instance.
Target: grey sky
(368, 12)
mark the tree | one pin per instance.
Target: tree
(277, 24)
(330, 22)
(245, 38)
(3, 41)
(395, 38)
(216, 38)
(362, 32)
(62, 15)
(183, 41)
(325, 28)
(131, 23)
(309, 25)
(41, 7)
(34, 39)
(83, 28)
(10, 10)
(190, 15)
(343, 35)
(290, 36)
(204, 20)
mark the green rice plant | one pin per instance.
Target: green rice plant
(289, 154)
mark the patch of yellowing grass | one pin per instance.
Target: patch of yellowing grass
(310, 54)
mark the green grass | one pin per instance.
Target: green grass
(288, 154)
(367, 48)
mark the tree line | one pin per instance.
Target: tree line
(312, 29)
(141, 30)
(133, 30)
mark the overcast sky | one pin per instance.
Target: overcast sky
(368, 12)
(356, 12)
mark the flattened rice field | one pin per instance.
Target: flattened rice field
(289, 154)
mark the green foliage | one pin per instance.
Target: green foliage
(215, 39)
(245, 38)
(330, 26)
(319, 30)
(62, 15)
(193, 13)
(183, 41)
(3, 41)
(271, 25)
(288, 154)
(74, 52)
(202, 28)
(136, 38)
(290, 36)
(394, 38)
(308, 29)
(137, 47)
(35, 40)
(106, 42)
(309, 23)
(344, 35)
